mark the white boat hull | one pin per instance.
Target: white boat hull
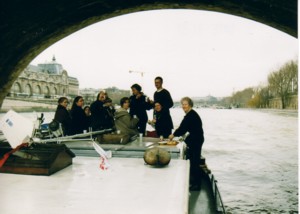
(129, 186)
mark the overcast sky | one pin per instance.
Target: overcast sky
(198, 53)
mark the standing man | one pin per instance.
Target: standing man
(163, 97)
(138, 106)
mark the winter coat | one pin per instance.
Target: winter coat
(125, 123)
(101, 117)
(138, 107)
(62, 116)
(163, 124)
(166, 101)
(191, 123)
(79, 120)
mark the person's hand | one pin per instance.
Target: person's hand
(106, 104)
(171, 136)
(151, 122)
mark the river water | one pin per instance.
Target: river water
(254, 156)
(252, 153)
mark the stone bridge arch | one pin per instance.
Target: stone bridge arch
(29, 27)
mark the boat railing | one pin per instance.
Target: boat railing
(83, 136)
(220, 208)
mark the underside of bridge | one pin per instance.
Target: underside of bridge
(30, 26)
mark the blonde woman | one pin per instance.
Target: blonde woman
(192, 124)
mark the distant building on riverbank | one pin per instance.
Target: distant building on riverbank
(90, 94)
(46, 80)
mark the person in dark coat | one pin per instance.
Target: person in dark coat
(87, 111)
(139, 103)
(101, 118)
(62, 115)
(163, 96)
(192, 124)
(110, 109)
(79, 119)
(162, 121)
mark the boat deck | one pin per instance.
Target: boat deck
(201, 201)
(135, 148)
(128, 186)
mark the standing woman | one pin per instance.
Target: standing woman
(62, 115)
(162, 121)
(79, 118)
(191, 123)
(139, 103)
(87, 111)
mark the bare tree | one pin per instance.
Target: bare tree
(260, 98)
(283, 82)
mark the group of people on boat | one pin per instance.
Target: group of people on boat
(73, 121)
(131, 118)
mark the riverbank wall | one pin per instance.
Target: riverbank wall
(27, 105)
(292, 103)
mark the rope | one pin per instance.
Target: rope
(6, 155)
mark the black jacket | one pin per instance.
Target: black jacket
(101, 117)
(62, 116)
(164, 98)
(164, 124)
(79, 120)
(138, 107)
(191, 123)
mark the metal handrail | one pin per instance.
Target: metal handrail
(217, 196)
(73, 137)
